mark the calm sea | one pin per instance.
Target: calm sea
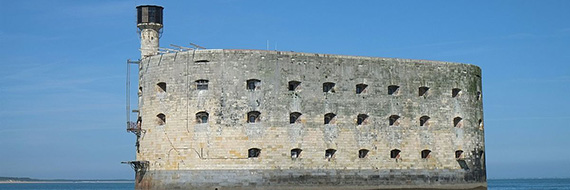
(496, 184)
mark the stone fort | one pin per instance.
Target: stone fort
(256, 119)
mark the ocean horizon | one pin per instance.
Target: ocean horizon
(493, 184)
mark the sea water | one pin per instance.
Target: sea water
(493, 184)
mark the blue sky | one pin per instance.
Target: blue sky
(62, 81)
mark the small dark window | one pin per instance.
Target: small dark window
(424, 120)
(422, 91)
(393, 120)
(361, 119)
(360, 88)
(202, 117)
(426, 153)
(202, 84)
(140, 91)
(393, 90)
(201, 61)
(329, 153)
(161, 87)
(459, 154)
(295, 153)
(329, 118)
(293, 85)
(362, 153)
(161, 119)
(481, 124)
(253, 84)
(253, 152)
(253, 116)
(395, 153)
(479, 95)
(457, 122)
(328, 87)
(294, 117)
(455, 92)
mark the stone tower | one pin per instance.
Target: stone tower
(149, 22)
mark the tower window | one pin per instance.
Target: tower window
(253, 116)
(253, 84)
(395, 154)
(329, 153)
(422, 91)
(140, 91)
(202, 117)
(329, 118)
(161, 86)
(160, 119)
(360, 88)
(479, 95)
(424, 120)
(455, 92)
(295, 153)
(426, 153)
(394, 120)
(362, 153)
(202, 84)
(393, 89)
(459, 154)
(480, 124)
(293, 85)
(457, 122)
(328, 87)
(361, 119)
(294, 117)
(253, 152)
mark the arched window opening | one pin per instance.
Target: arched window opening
(140, 91)
(293, 85)
(360, 88)
(202, 117)
(393, 89)
(424, 120)
(458, 122)
(395, 154)
(328, 87)
(329, 153)
(459, 154)
(329, 118)
(161, 87)
(253, 152)
(394, 120)
(481, 124)
(202, 84)
(455, 92)
(361, 119)
(423, 91)
(295, 153)
(294, 117)
(426, 153)
(253, 116)
(160, 119)
(253, 84)
(202, 61)
(362, 153)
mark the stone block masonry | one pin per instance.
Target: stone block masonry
(254, 119)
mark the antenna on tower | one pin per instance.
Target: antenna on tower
(197, 46)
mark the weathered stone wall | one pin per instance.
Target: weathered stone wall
(185, 145)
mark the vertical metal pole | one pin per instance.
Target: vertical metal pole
(128, 94)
